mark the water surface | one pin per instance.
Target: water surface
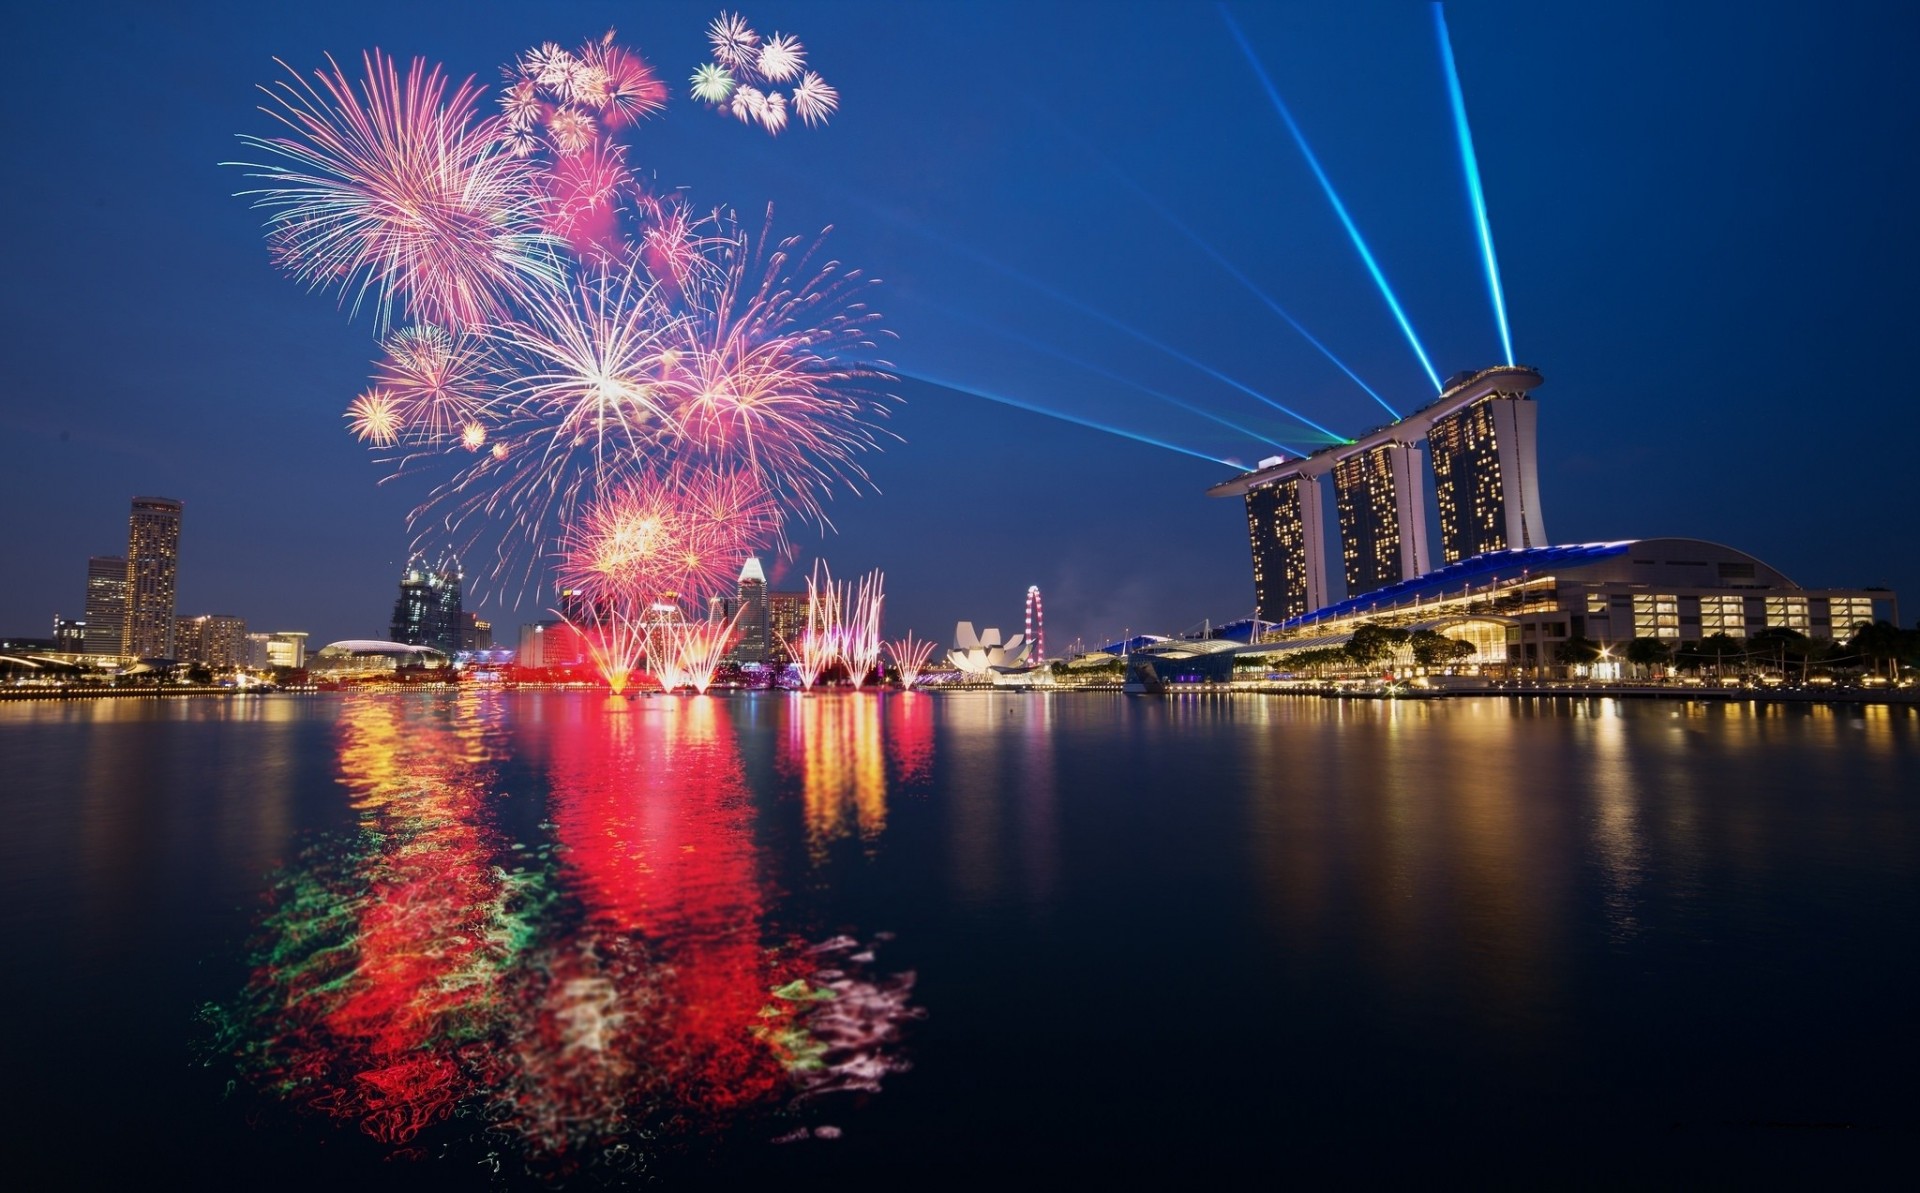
(447, 940)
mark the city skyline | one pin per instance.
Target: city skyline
(1667, 411)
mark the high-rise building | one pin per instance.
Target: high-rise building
(70, 634)
(750, 603)
(1480, 431)
(428, 611)
(1286, 525)
(786, 621)
(216, 641)
(153, 561)
(106, 615)
(1383, 516)
(475, 634)
(1485, 477)
(257, 645)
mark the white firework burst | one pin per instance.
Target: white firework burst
(773, 112)
(814, 100)
(748, 103)
(782, 57)
(733, 41)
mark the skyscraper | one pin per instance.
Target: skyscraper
(751, 605)
(428, 611)
(106, 615)
(153, 560)
(1485, 477)
(1287, 527)
(1383, 519)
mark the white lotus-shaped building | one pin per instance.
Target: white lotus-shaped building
(977, 654)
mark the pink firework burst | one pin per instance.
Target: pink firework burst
(767, 370)
(438, 382)
(394, 189)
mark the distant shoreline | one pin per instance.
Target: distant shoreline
(1897, 697)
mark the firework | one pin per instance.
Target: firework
(436, 383)
(698, 648)
(396, 190)
(746, 73)
(711, 84)
(781, 58)
(910, 656)
(860, 636)
(814, 100)
(733, 42)
(644, 394)
(374, 417)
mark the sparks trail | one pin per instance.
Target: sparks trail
(565, 348)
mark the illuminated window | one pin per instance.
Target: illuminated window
(1723, 615)
(1596, 602)
(1789, 612)
(1656, 616)
(1849, 612)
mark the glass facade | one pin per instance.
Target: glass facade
(428, 611)
(106, 615)
(1847, 613)
(1278, 529)
(1467, 481)
(1723, 614)
(153, 560)
(1787, 612)
(1368, 487)
(1656, 616)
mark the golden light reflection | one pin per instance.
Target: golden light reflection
(834, 742)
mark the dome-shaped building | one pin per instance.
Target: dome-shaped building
(367, 658)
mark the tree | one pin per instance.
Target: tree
(1784, 646)
(1373, 642)
(1718, 648)
(1577, 651)
(1648, 652)
(1879, 644)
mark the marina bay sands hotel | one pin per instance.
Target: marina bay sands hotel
(1480, 435)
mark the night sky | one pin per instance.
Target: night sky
(1705, 218)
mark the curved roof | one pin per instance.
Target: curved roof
(1494, 565)
(373, 646)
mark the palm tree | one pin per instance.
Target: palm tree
(1878, 643)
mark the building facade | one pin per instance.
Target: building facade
(106, 609)
(1485, 477)
(786, 621)
(216, 641)
(475, 634)
(428, 612)
(1480, 435)
(1383, 515)
(1519, 607)
(750, 604)
(1286, 525)
(153, 563)
(70, 634)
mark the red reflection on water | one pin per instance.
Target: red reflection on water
(909, 718)
(655, 826)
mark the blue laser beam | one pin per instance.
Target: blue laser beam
(1221, 260)
(1333, 197)
(1017, 404)
(1109, 374)
(1471, 164)
(1096, 313)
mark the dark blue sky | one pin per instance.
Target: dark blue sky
(1704, 216)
